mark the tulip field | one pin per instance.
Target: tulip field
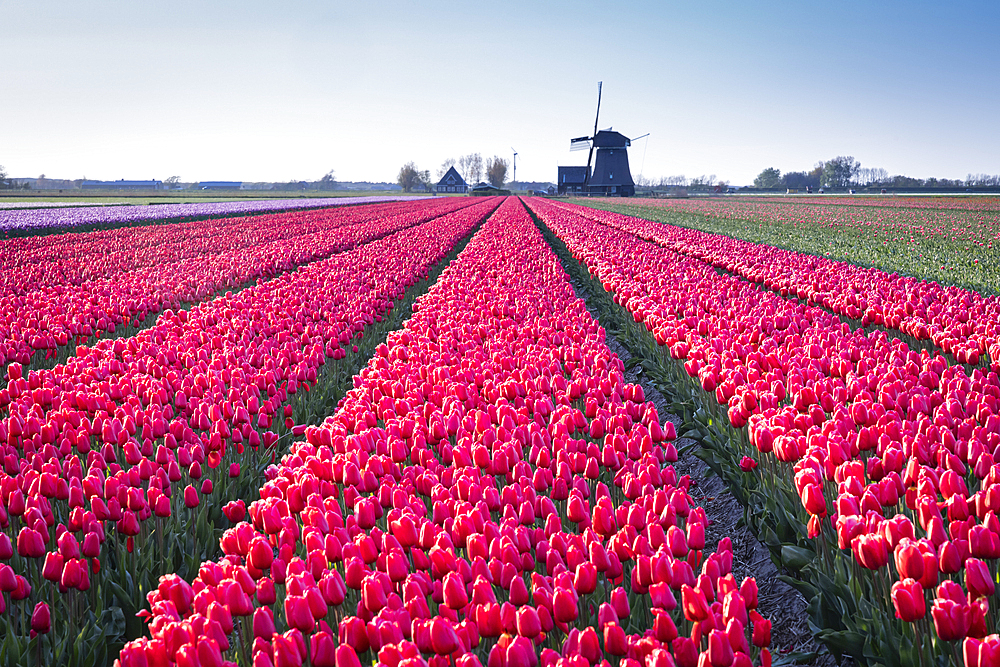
(953, 241)
(86, 285)
(75, 216)
(393, 434)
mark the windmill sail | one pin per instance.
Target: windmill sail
(579, 144)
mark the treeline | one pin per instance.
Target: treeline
(845, 172)
(673, 182)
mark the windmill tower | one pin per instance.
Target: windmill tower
(611, 175)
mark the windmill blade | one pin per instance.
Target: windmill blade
(599, 85)
(641, 137)
(579, 144)
(590, 155)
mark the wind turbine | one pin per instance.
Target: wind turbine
(514, 179)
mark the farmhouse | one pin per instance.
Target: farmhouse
(572, 179)
(452, 181)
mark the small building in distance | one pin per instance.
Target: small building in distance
(122, 185)
(220, 185)
(488, 190)
(571, 179)
(452, 181)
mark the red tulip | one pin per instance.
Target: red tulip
(455, 595)
(444, 640)
(30, 544)
(908, 599)
(261, 555)
(909, 561)
(564, 605)
(978, 578)
(528, 624)
(53, 566)
(286, 651)
(298, 614)
(694, 603)
(870, 550)
(619, 601)
(41, 621)
(585, 581)
(614, 639)
(951, 619)
(190, 497)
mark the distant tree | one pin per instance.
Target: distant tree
(445, 166)
(769, 178)
(799, 180)
(702, 182)
(496, 171)
(475, 168)
(173, 180)
(839, 172)
(463, 167)
(900, 181)
(982, 180)
(672, 181)
(409, 177)
(328, 181)
(4, 182)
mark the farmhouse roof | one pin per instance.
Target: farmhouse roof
(451, 177)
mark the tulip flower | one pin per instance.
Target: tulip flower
(41, 620)
(190, 497)
(951, 619)
(298, 614)
(978, 578)
(908, 599)
(614, 639)
(455, 594)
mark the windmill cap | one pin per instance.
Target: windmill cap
(611, 139)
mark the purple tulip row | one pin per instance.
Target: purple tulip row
(69, 217)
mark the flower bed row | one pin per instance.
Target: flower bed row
(879, 483)
(35, 262)
(936, 202)
(959, 321)
(38, 220)
(49, 318)
(117, 467)
(491, 492)
(951, 247)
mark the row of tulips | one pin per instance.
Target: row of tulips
(909, 225)
(960, 203)
(878, 480)
(20, 222)
(491, 492)
(125, 462)
(959, 321)
(49, 317)
(70, 259)
(951, 247)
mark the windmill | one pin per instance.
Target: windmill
(611, 175)
(514, 179)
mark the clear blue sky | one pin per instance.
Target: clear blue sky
(248, 90)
